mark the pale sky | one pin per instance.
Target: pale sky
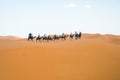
(20, 17)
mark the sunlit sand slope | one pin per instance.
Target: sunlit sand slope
(93, 57)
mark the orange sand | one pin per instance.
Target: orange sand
(94, 57)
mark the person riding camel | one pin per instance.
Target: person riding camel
(79, 35)
(63, 35)
(55, 37)
(44, 36)
(39, 36)
(30, 35)
(76, 35)
(49, 36)
(71, 34)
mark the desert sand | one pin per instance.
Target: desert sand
(93, 57)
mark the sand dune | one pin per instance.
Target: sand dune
(93, 57)
(9, 37)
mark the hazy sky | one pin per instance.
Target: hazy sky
(19, 17)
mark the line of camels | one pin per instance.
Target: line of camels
(54, 37)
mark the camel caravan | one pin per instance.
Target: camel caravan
(54, 37)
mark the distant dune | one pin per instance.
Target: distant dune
(9, 38)
(93, 57)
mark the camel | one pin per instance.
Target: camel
(31, 37)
